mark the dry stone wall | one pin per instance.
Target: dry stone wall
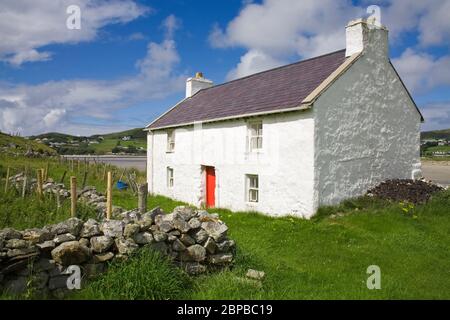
(38, 258)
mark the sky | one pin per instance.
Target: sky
(129, 59)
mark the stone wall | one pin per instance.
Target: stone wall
(38, 258)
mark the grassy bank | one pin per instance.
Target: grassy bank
(323, 258)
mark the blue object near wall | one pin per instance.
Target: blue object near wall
(122, 185)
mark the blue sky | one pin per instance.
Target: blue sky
(128, 62)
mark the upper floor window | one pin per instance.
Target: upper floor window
(255, 135)
(170, 140)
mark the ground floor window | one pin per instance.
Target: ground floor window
(252, 188)
(169, 177)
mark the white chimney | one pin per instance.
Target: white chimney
(362, 35)
(197, 83)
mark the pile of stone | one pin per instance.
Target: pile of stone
(413, 191)
(37, 259)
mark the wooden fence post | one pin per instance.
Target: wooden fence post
(63, 177)
(73, 196)
(58, 200)
(7, 179)
(84, 179)
(109, 196)
(24, 186)
(104, 172)
(39, 182)
(47, 166)
(142, 198)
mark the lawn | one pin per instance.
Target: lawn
(323, 258)
(107, 145)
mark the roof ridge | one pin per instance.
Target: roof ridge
(268, 70)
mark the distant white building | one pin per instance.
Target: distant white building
(290, 139)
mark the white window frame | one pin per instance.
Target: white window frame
(252, 189)
(170, 180)
(255, 135)
(170, 140)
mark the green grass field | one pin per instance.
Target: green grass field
(107, 145)
(323, 258)
(22, 145)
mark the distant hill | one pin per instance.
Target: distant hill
(436, 134)
(57, 137)
(137, 133)
(20, 145)
(131, 141)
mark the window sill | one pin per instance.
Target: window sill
(168, 151)
(260, 151)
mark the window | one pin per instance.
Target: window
(255, 135)
(252, 188)
(170, 141)
(169, 177)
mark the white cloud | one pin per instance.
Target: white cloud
(251, 62)
(428, 18)
(26, 26)
(54, 116)
(278, 29)
(55, 105)
(28, 56)
(422, 72)
(437, 116)
(171, 24)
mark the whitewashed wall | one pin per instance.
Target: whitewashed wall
(284, 166)
(367, 128)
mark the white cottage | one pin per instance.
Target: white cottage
(290, 139)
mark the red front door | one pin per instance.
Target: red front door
(210, 187)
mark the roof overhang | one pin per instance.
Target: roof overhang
(407, 91)
(315, 94)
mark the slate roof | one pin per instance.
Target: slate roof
(268, 91)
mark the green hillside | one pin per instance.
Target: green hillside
(57, 137)
(131, 141)
(20, 145)
(137, 133)
(436, 134)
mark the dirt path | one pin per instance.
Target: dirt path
(436, 171)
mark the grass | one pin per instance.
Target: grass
(146, 275)
(443, 158)
(32, 212)
(107, 145)
(323, 258)
(438, 148)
